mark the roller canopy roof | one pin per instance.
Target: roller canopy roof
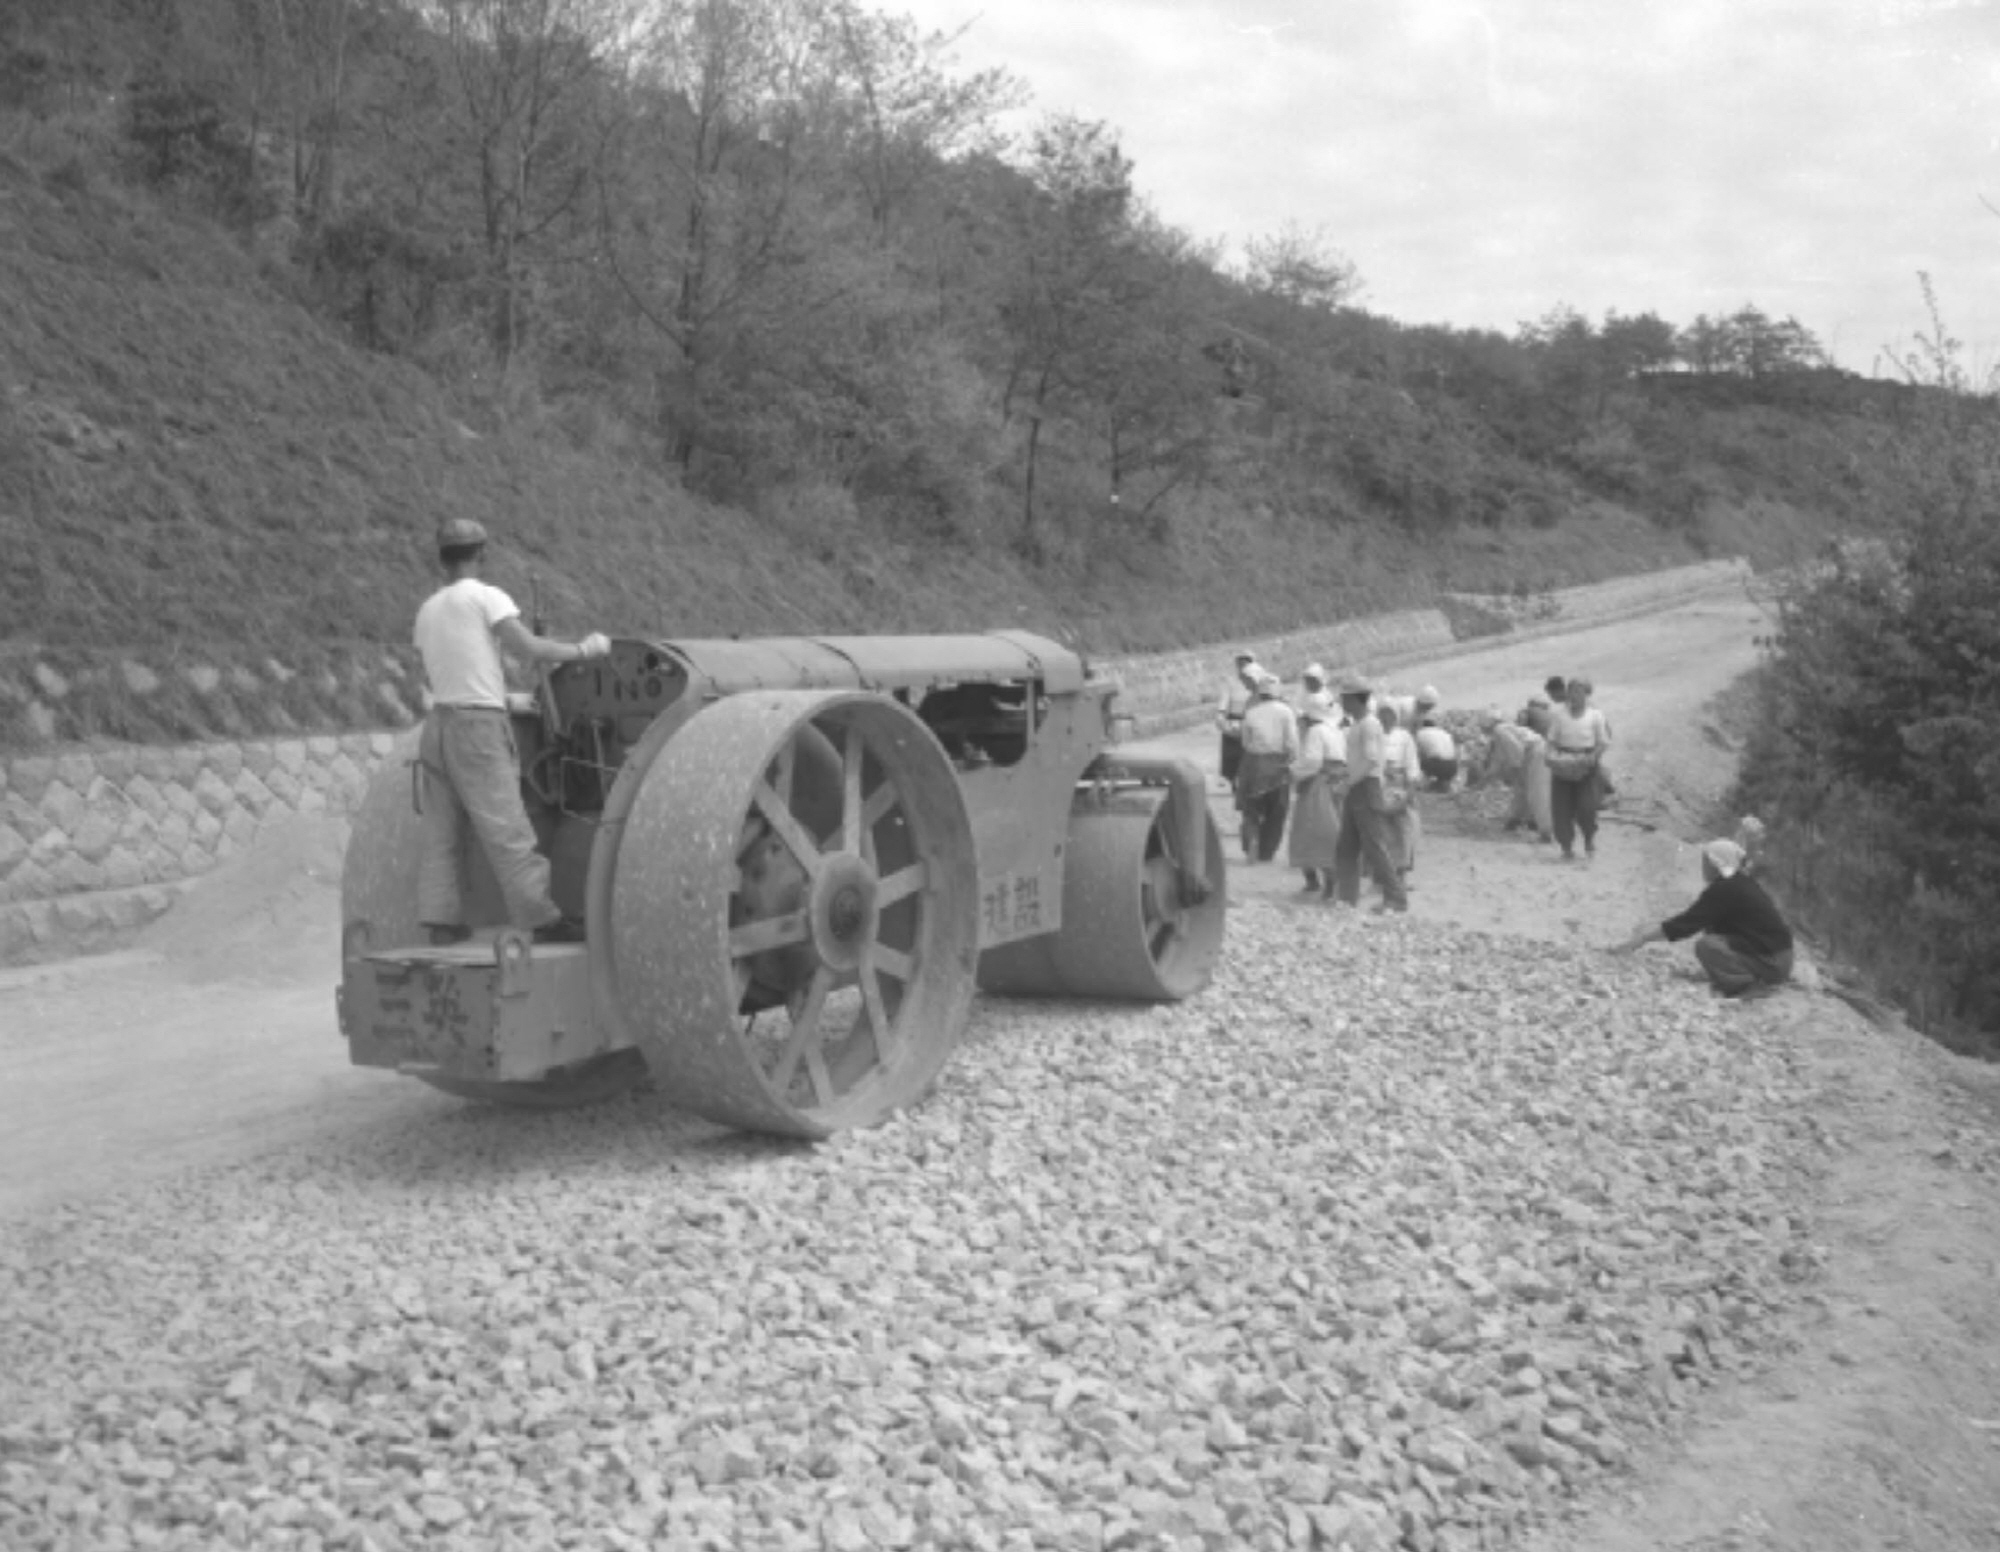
(881, 662)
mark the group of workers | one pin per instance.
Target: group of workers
(1341, 766)
(1344, 763)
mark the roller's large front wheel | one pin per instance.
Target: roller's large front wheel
(794, 912)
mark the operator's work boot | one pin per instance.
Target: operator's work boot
(565, 929)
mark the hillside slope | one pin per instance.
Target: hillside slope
(218, 512)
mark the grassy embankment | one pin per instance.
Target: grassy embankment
(217, 511)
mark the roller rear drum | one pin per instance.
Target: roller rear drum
(1129, 929)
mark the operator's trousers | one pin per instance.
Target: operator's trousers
(470, 786)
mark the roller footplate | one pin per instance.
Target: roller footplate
(497, 1010)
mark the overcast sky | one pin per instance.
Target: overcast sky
(1483, 162)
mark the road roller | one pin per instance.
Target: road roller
(797, 860)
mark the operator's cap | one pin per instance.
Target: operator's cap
(460, 533)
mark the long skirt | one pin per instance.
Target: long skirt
(1315, 823)
(1405, 830)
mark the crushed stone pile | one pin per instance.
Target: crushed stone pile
(1400, 1236)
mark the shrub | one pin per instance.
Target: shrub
(1878, 752)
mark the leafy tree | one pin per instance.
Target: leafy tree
(1301, 267)
(1641, 343)
(1878, 756)
(1750, 343)
(521, 72)
(900, 113)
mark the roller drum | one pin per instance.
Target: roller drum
(1127, 932)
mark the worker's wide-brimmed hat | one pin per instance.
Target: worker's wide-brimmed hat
(1268, 683)
(1538, 699)
(1724, 856)
(460, 533)
(1356, 684)
(1318, 706)
(1427, 696)
(1314, 671)
(1245, 655)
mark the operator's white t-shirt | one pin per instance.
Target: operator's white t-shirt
(455, 636)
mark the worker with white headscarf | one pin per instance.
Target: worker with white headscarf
(1319, 777)
(1740, 937)
(1264, 779)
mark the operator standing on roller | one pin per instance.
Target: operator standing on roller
(471, 772)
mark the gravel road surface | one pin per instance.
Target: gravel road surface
(1441, 1231)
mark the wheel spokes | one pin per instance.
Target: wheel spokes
(852, 817)
(757, 937)
(804, 1040)
(831, 800)
(778, 815)
(900, 885)
(891, 961)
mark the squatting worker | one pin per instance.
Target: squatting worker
(1236, 699)
(1437, 750)
(471, 774)
(1744, 944)
(1264, 779)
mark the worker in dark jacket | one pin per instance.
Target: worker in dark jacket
(1743, 942)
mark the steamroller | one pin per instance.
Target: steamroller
(797, 859)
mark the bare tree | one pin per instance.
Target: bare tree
(522, 72)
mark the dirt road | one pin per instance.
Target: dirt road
(214, 1039)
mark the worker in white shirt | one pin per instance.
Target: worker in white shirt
(1264, 779)
(1364, 839)
(470, 775)
(1236, 699)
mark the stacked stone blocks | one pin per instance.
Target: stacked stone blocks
(99, 839)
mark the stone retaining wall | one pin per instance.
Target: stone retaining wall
(96, 840)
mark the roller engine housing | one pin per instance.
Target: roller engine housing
(796, 857)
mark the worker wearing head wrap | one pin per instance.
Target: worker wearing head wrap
(1319, 778)
(470, 773)
(1402, 775)
(1236, 698)
(1740, 937)
(1578, 738)
(1264, 779)
(1437, 750)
